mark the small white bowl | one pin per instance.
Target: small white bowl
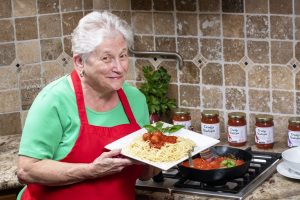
(292, 158)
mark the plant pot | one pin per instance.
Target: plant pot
(154, 118)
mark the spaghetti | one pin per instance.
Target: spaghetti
(167, 153)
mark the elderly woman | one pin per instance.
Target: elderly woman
(62, 154)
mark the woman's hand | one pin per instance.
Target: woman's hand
(109, 163)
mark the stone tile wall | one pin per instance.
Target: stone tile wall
(239, 55)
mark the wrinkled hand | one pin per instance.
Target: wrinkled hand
(109, 163)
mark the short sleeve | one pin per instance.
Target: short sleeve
(42, 131)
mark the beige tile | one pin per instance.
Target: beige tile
(209, 25)
(189, 95)
(190, 73)
(173, 93)
(259, 76)
(70, 21)
(23, 117)
(209, 5)
(171, 67)
(141, 4)
(164, 24)
(28, 96)
(297, 7)
(26, 28)
(297, 81)
(188, 5)
(51, 49)
(257, 26)
(233, 25)
(28, 52)
(68, 45)
(297, 27)
(6, 31)
(280, 128)
(30, 71)
(212, 97)
(101, 5)
(234, 75)
(251, 6)
(51, 71)
(235, 98)
(282, 78)
(70, 5)
(258, 51)
(142, 22)
(8, 77)
(281, 52)
(50, 26)
(297, 51)
(120, 5)
(281, 27)
(88, 4)
(49, 6)
(10, 124)
(9, 101)
(233, 50)
(186, 23)
(259, 100)
(143, 43)
(165, 44)
(232, 6)
(5, 9)
(283, 102)
(125, 15)
(7, 54)
(139, 64)
(166, 5)
(212, 74)
(281, 6)
(24, 7)
(187, 47)
(298, 102)
(211, 49)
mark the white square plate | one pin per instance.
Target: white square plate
(203, 142)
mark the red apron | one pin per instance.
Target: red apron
(90, 145)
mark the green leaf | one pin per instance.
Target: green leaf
(159, 125)
(228, 163)
(150, 128)
(175, 128)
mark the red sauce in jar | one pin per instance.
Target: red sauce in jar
(237, 130)
(181, 117)
(264, 131)
(210, 123)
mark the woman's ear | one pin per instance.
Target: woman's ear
(78, 61)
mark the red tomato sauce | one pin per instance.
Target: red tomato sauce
(157, 139)
(203, 164)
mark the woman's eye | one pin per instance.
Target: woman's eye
(106, 59)
(123, 56)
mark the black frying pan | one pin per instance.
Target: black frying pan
(219, 176)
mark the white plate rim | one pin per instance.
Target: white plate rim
(283, 169)
(164, 166)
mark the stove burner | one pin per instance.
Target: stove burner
(262, 165)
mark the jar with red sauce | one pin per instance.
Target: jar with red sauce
(294, 132)
(210, 123)
(182, 117)
(264, 131)
(237, 129)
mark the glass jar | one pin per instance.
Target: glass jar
(210, 123)
(264, 131)
(237, 130)
(294, 132)
(181, 117)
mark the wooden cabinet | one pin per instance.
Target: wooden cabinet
(8, 197)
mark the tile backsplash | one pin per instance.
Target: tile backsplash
(239, 55)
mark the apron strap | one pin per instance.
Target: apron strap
(79, 97)
(126, 106)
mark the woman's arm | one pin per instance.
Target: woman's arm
(55, 173)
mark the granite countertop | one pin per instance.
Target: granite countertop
(276, 187)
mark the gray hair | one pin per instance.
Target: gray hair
(94, 28)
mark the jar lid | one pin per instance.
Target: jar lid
(210, 113)
(236, 115)
(263, 118)
(180, 111)
(294, 120)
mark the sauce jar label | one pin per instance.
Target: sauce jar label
(293, 138)
(186, 124)
(237, 134)
(211, 130)
(264, 135)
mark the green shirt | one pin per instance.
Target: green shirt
(52, 124)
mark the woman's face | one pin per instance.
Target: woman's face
(106, 67)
